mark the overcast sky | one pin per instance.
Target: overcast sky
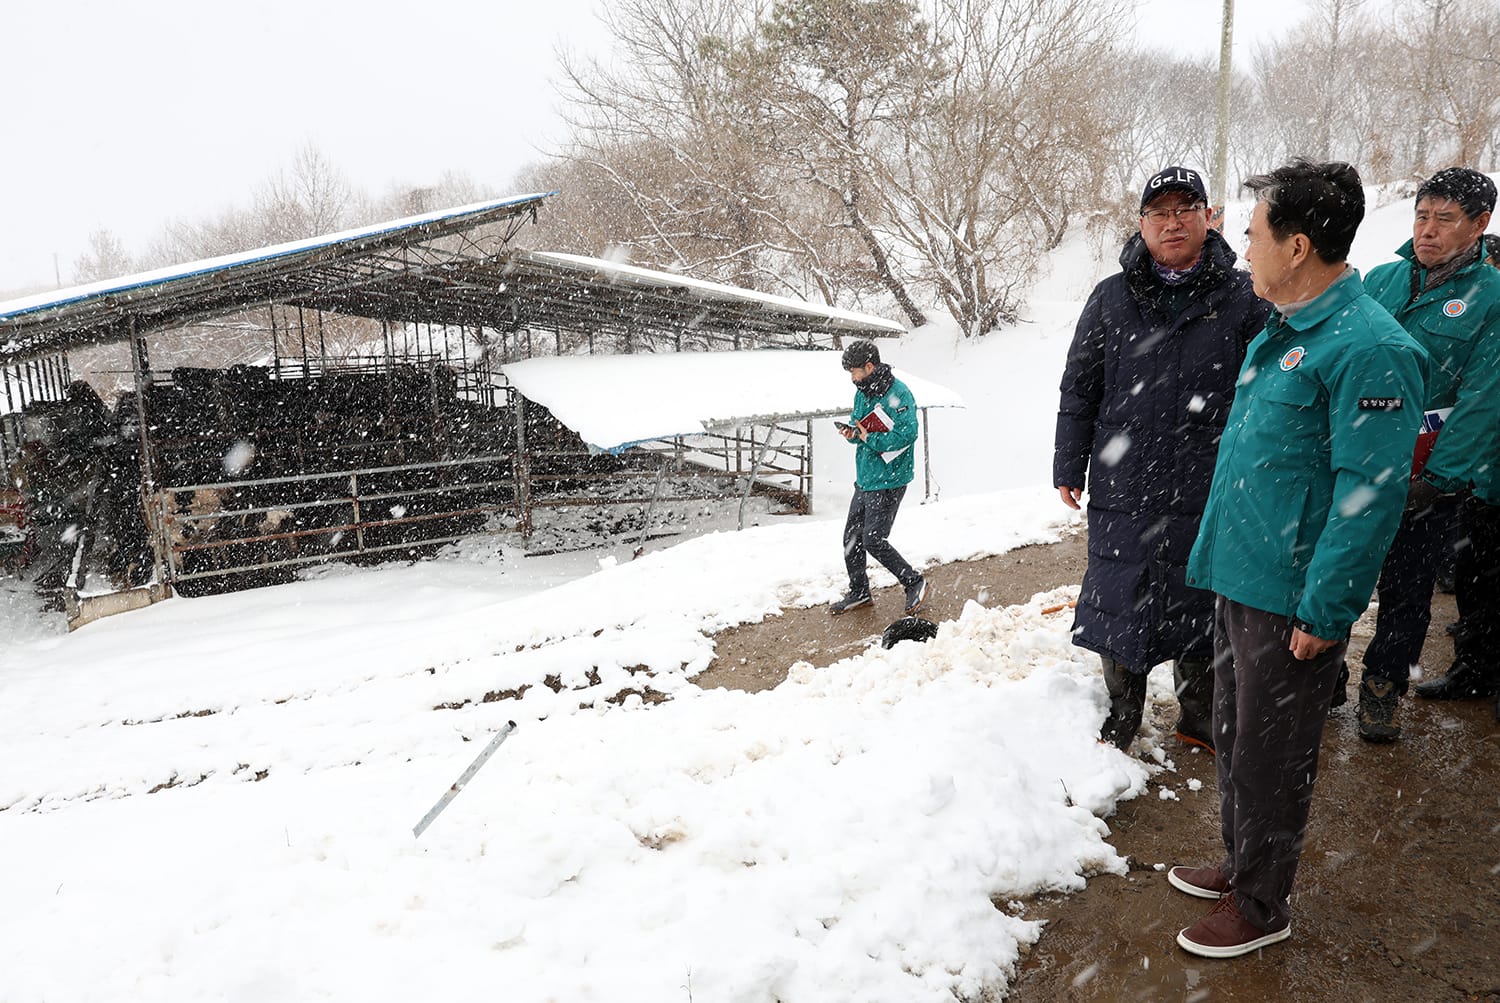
(128, 113)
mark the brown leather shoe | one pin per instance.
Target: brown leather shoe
(1201, 882)
(1224, 933)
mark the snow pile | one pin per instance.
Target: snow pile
(847, 831)
(214, 797)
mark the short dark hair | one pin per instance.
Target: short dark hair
(861, 353)
(1326, 202)
(1474, 192)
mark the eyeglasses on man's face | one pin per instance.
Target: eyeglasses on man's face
(1159, 215)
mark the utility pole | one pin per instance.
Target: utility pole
(1221, 132)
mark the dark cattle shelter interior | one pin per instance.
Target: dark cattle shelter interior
(369, 419)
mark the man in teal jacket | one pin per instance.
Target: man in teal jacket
(1308, 487)
(884, 435)
(1448, 299)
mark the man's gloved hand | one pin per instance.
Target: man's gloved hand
(1421, 495)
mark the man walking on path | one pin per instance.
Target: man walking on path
(1147, 387)
(884, 434)
(1303, 506)
(1448, 299)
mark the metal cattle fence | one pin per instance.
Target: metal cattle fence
(233, 527)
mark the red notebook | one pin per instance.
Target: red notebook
(876, 421)
(1432, 424)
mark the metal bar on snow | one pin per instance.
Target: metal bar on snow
(458, 785)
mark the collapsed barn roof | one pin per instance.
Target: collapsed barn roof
(600, 396)
(447, 267)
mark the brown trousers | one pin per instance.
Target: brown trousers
(1269, 711)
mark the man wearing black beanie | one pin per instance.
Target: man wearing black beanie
(883, 433)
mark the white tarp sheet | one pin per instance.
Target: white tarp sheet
(613, 401)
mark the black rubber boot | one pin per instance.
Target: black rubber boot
(1194, 679)
(1462, 681)
(1127, 703)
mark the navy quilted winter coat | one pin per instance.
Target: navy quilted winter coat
(1145, 395)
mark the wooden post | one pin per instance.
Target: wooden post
(520, 465)
(1221, 129)
(926, 459)
(150, 503)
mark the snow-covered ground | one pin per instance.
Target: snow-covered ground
(213, 799)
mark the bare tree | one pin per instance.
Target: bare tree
(657, 131)
(1012, 141)
(1321, 91)
(838, 80)
(105, 258)
(308, 197)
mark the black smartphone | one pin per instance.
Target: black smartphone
(843, 426)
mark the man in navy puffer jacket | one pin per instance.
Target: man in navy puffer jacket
(1145, 393)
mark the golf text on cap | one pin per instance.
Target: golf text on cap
(1179, 177)
(1173, 179)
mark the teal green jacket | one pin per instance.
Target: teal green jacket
(1458, 323)
(875, 468)
(1311, 476)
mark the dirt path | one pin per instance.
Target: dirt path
(1398, 892)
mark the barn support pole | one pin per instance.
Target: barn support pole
(926, 459)
(520, 464)
(302, 335)
(141, 361)
(275, 349)
(807, 469)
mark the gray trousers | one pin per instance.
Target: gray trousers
(1269, 711)
(868, 531)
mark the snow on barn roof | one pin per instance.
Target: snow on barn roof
(646, 278)
(615, 401)
(433, 269)
(53, 321)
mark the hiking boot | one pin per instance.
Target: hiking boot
(1127, 703)
(1194, 679)
(1224, 933)
(1200, 882)
(1461, 682)
(1378, 700)
(854, 600)
(915, 593)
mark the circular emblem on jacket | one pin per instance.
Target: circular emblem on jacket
(1292, 359)
(1455, 308)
